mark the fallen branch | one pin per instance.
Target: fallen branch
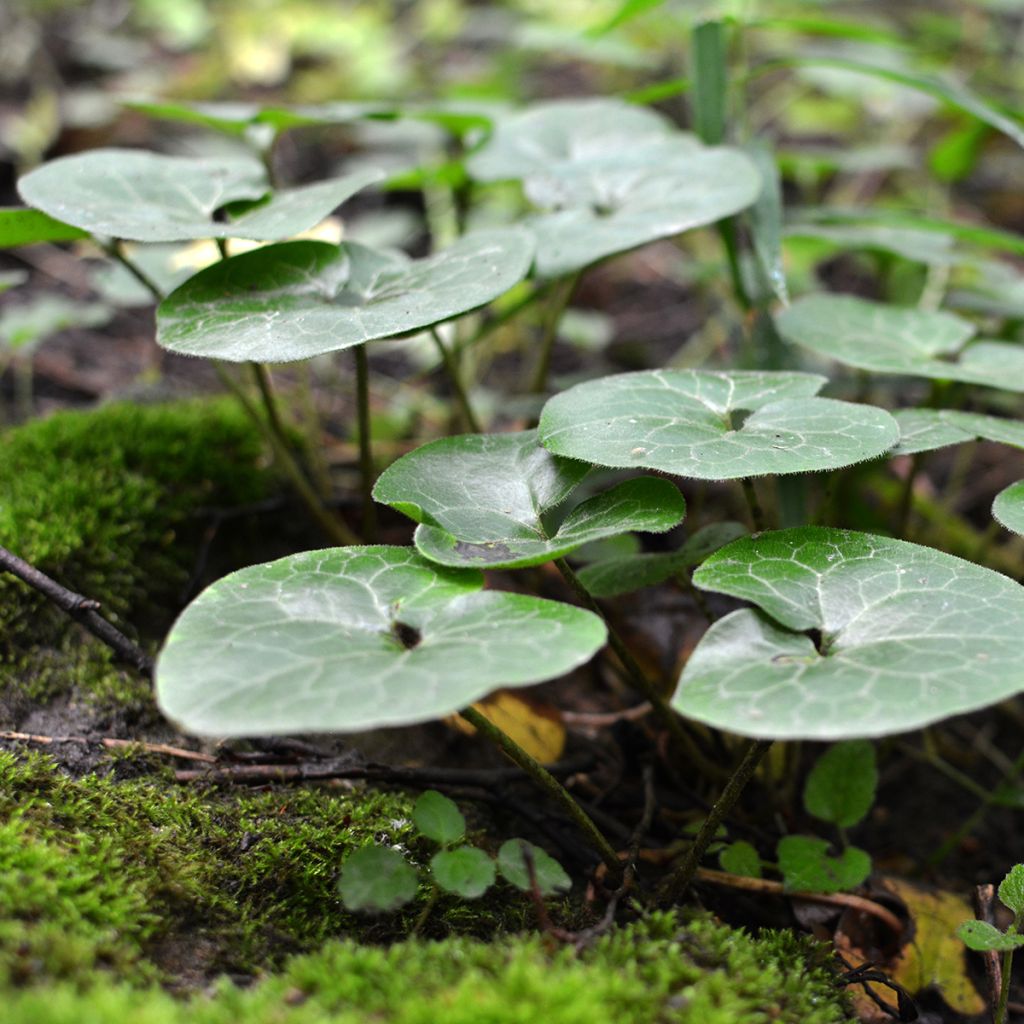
(82, 609)
(112, 744)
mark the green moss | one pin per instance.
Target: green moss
(106, 502)
(657, 970)
(97, 871)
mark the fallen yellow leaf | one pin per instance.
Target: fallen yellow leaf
(536, 727)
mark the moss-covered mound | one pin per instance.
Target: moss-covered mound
(660, 969)
(111, 504)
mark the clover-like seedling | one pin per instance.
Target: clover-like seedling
(483, 499)
(985, 937)
(302, 299)
(356, 638)
(853, 635)
(148, 197)
(713, 425)
(379, 879)
(913, 342)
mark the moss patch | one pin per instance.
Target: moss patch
(108, 503)
(657, 970)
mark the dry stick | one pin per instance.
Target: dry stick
(638, 677)
(81, 609)
(334, 527)
(455, 379)
(113, 744)
(365, 449)
(679, 881)
(548, 783)
(835, 899)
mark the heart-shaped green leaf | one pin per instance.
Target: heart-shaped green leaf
(552, 136)
(982, 936)
(467, 871)
(1011, 889)
(357, 638)
(23, 226)
(840, 788)
(713, 426)
(1008, 507)
(888, 339)
(377, 879)
(857, 636)
(438, 818)
(623, 574)
(741, 858)
(807, 866)
(149, 197)
(924, 430)
(482, 499)
(302, 299)
(548, 873)
(618, 207)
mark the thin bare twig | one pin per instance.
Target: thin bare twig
(82, 609)
(112, 744)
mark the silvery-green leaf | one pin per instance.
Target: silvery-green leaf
(1008, 507)
(854, 636)
(921, 246)
(924, 430)
(467, 871)
(23, 226)
(617, 208)
(713, 425)
(356, 638)
(301, 299)
(11, 279)
(552, 135)
(481, 500)
(377, 879)
(890, 339)
(149, 197)
(29, 323)
(807, 866)
(610, 577)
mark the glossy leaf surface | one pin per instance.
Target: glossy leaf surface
(357, 638)
(481, 500)
(713, 425)
(888, 339)
(302, 299)
(854, 636)
(149, 197)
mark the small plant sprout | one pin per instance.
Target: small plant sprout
(985, 937)
(380, 879)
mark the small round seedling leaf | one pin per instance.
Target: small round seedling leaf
(482, 499)
(855, 636)
(925, 430)
(1008, 507)
(357, 638)
(841, 786)
(807, 865)
(302, 299)
(438, 818)
(713, 425)
(888, 339)
(741, 858)
(377, 879)
(1011, 889)
(982, 936)
(623, 574)
(149, 197)
(467, 871)
(550, 875)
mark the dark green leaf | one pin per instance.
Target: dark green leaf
(549, 874)
(741, 858)
(438, 818)
(467, 871)
(377, 879)
(807, 866)
(841, 786)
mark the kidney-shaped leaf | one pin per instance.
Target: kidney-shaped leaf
(713, 426)
(889, 339)
(856, 635)
(357, 638)
(149, 197)
(481, 500)
(924, 430)
(1008, 507)
(301, 299)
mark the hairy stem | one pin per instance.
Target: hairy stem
(548, 783)
(365, 446)
(559, 302)
(115, 250)
(681, 878)
(756, 512)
